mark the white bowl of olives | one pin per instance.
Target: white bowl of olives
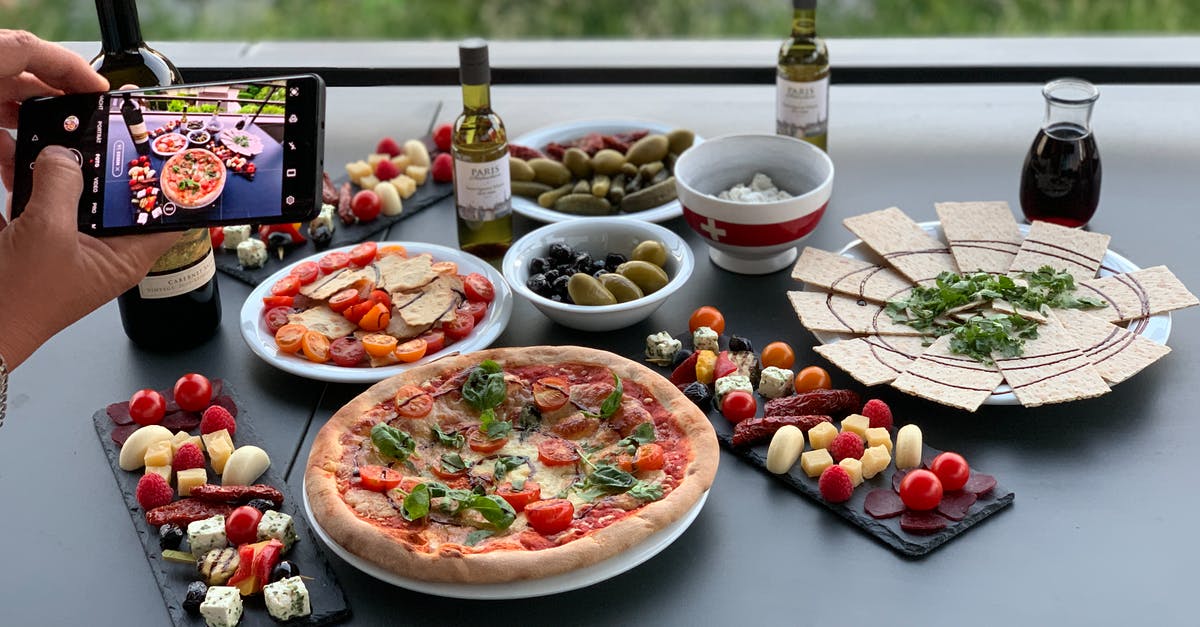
(598, 274)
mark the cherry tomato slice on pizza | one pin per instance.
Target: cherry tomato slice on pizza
(551, 516)
(443, 472)
(478, 288)
(193, 392)
(550, 393)
(480, 443)
(557, 452)
(648, 457)
(413, 402)
(363, 254)
(519, 499)
(379, 478)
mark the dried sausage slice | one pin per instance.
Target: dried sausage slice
(922, 523)
(882, 503)
(980, 484)
(955, 505)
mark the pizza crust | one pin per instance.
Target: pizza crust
(380, 545)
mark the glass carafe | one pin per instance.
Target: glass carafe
(1061, 179)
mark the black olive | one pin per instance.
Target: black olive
(538, 284)
(558, 299)
(560, 253)
(598, 266)
(739, 344)
(560, 287)
(699, 394)
(680, 356)
(277, 240)
(612, 260)
(169, 536)
(321, 236)
(262, 505)
(582, 262)
(196, 592)
(551, 275)
(283, 570)
(538, 265)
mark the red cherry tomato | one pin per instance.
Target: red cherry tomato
(215, 233)
(276, 317)
(347, 351)
(551, 516)
(557, 452)
(445, 473)
(279, 301)
(952, 470)
(550, 393)
(460, 327)
(381, 297)
(355, 313)
(778, 354)
(147, 407)
(287, 286)
(480, 443)
(738, 405)
(413, 402)
(519, 499)
(476, 309)
(921, 490)
(344, 299)
(379, 478)
(193, 392)
(364, 254)
(707, 316)
(649, 457)
(366, 205)
(434, 341)
(479, 288)
(241, 527)
(333, 262)
(306, 272)
(442, 136)
(812, 378)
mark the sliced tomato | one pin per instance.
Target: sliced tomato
(393, 249)
(379, 344)
(380, 296)
(411, 350)
(287, 286)
(528, 493)
(356, 312)
(445, 473)
(479, 442)
(333, 262)
(289, 337)
(276, 317)
(649, 457)
(376, 318)
(315, 347)
(460, 327)
(306, 272)
(557, 452)
(478, 288)
(344, 299)
(279, 301)
(379, 478)
(551, 516)
(347, 351)
(476, 309)
(434, 341)
(413, 402)
(550, 393)
(363, 254)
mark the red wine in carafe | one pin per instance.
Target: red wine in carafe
(1061, 179)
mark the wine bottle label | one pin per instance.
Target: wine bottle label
(138, 133)
(482, 191)
(179, 280)
(801, 108)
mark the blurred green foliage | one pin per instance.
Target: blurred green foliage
(257, 20)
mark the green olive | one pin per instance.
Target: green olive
(584, 289)
(647, 149)
(608, 161)
(622, 288)
(549, 172)
(519, 170)
(650, 251)
(680, 140)
(645, 275)
(578, 162)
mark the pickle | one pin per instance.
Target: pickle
(616, 189)
(650, 251)
(647, 276)
(647, 149)
(547, 199)
(582, 187)
(549, 172)
(578, 162)
(607, 161)
(600, 185)
(680, 140)
(651, 196)
(582, 204)
(628, 169)
(620, 287)
(584, 289)
(648, 170)
(670, 160)
(519, 170)
(529, 189)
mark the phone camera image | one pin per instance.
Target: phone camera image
(71, 124)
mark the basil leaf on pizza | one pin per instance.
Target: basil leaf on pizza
(416, 504)
(493, 427)
(485, 387)
(643, 434)
(507, 463)
(392, 442)
(645, 491)
(448, 440)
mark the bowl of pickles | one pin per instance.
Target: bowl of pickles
(598, 274)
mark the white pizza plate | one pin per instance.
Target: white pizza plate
(262, 341)
(1155, 328)
(568, 131)
(573, 580)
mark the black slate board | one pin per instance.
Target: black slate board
(328, 600)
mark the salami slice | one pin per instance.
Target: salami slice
(956, 504)
(184, 511)
(180, 420)
(980, 484)
(883, 503)
(922, 523)
(119, 412)
(833, 402)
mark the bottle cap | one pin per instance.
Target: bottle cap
(474, 68)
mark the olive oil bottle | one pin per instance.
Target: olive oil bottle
(482, 189)
(802, 79)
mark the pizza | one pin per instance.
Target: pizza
(509, 464)
(193, 178)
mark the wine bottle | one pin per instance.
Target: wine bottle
(136, 124)
(802, 79)
(177, 305)
(482, 190)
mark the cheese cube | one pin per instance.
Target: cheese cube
(368, 182)
(222, 606)
(822, 435)
(874, 461)
(206, 535)
(235, 235)
(879, 436)
(162, 471)
(159, 454)
(279, 526)
(220, 447)
(287, 598)
(190, 478)
(729, 383)
(356, 170)
(417, 173)
(705, 339)
(854, 469)
(183, 437)
(856, 423)
(374, 158)
(813, 463)
(775, 382)
(402, 162)
(405, 185)
(252, 253)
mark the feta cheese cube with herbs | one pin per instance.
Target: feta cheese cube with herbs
(222, 606)
(729, 383)
(661, 348)
(705, 339)
(775, 382)
(206, 535)
(287, 599)
(252, 253)
(278, 526)
(235, 235)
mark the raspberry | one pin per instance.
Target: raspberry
(188, 456)
(442, 136)
(835, 485)
(443, 168)
(879, 413)
(216, 418)
(389, 147)
(386, 170)
(153, 491)
(846, 444)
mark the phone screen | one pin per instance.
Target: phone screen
(178, 157)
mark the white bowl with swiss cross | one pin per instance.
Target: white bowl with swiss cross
(746, 237)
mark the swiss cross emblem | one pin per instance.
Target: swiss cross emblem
(715, 233)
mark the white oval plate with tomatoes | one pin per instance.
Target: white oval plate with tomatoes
(261, 340)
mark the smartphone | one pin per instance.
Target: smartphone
(184, 156)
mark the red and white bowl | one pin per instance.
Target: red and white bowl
(753, 238)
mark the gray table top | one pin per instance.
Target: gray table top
(1104, 509)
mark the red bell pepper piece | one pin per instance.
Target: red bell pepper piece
(292, 230)
(245, 569)
(686, 372)
(266, 560)
(724, 365)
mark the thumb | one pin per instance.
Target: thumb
(57, 185)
